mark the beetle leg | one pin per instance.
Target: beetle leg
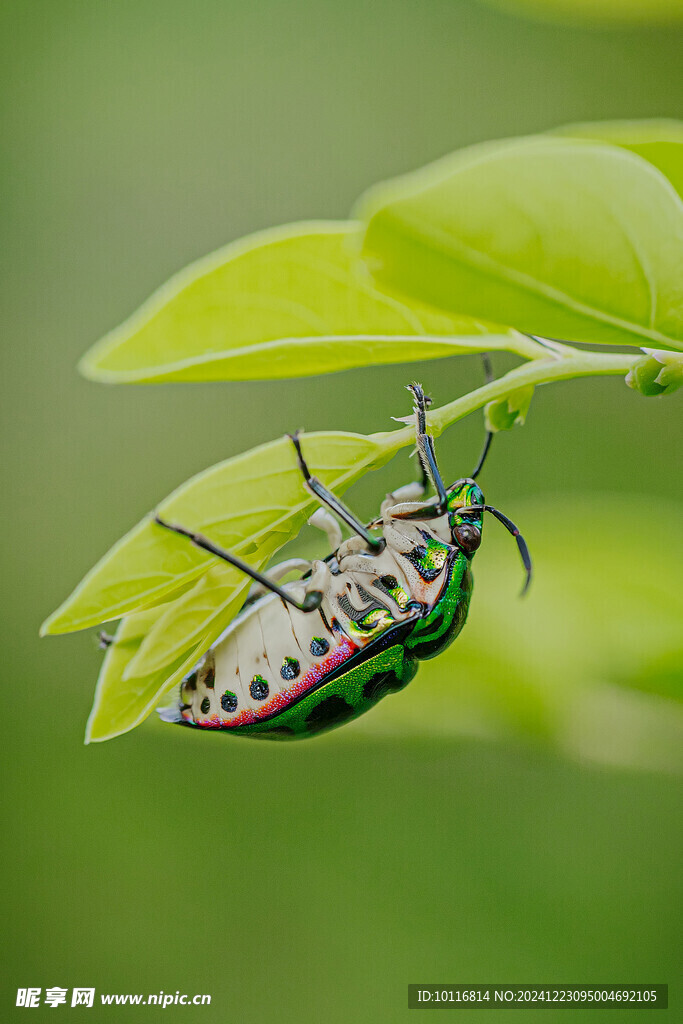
(425, 444)
(332, 502)
(326, 522)
(489, 376)
(409, 492)
(277, 573)
(312, 598)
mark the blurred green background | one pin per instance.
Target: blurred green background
(515, 815)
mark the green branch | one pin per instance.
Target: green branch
(537, 371)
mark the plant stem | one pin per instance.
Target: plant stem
(528, 348)
(536, 371)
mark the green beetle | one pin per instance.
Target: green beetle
(307, 656)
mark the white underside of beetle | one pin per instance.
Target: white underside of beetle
(272, 653)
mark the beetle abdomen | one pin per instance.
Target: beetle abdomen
(279, 672)
(338, 699)
(269, 658)
(273, 655)
(327, 678)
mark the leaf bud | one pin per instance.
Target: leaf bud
(658, 372)
(505, 413)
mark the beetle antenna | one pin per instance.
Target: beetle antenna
(482, 458)
(425, 444)
(511, 528)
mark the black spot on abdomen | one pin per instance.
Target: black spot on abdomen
(290, 668)
(380, 685)
(191, 682)
(229, 701)
(258, 688)
(331, 711)
(319, 646)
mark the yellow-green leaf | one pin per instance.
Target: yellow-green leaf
(288, 302)
(251, 504)
(206, 609)
(660, 142)
(563, 238)
(145, 566)
(120, 705)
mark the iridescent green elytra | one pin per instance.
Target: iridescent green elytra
(314, 654)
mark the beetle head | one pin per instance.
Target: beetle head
(449, 525)
(465, 527)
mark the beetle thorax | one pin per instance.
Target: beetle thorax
(423, 549)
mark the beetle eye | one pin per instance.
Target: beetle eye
(467, 536)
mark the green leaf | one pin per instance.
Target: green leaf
(120, 705)
(289, 302)
(206, 609)
(251, 504)
(558, 237)
(508, 412)
(660, 142)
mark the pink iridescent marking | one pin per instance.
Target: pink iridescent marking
(279, 701)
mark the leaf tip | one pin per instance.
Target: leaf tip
(91, 734)
(89, 738)
(89, 367)
(58, 622)
(50, 626)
